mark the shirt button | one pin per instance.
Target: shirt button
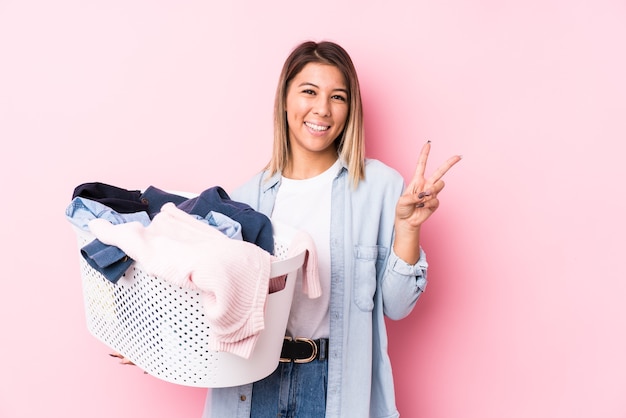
(242, 398)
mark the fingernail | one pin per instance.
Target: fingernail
(428, 142)
(420, 205)
(420, 195)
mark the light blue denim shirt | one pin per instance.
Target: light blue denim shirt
(368, 282)
(81, 210)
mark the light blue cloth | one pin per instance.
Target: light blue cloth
(81, 210)
(109, 260)
(223, 223)
(367, 273)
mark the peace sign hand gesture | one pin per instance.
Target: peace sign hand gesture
(416, 204)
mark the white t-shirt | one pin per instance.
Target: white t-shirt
(305, 205)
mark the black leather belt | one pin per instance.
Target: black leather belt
(303, 350)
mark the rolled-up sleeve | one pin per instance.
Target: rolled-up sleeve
(402, 284)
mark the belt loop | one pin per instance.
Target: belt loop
(323, 350)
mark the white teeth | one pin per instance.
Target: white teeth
(316, 127)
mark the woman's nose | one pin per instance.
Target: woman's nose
(322, 107)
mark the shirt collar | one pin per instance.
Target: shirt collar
(275, 179)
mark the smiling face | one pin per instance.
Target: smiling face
(317, 106)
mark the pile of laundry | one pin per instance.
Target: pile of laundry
(209, 243)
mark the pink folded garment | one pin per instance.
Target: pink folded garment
(231, 275)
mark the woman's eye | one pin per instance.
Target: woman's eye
(338, 97)
(308, 91)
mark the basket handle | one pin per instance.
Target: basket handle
(286, 266)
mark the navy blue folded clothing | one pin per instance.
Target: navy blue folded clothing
(119, 199)
(255, 226)
(155, 198)
(109, 260)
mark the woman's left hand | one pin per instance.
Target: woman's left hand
(416, 204)
(419, 199)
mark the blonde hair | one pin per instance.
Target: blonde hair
(350, 143)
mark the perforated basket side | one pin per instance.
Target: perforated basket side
(162, 328)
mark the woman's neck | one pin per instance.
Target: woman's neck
(305, 167)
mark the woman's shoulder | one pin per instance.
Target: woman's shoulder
(380, 180)
(251, 189)
(379, 170)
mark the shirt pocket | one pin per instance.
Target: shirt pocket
(367, 259)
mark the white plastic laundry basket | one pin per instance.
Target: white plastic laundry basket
(161, 327)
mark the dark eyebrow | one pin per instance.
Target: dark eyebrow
(306, 83)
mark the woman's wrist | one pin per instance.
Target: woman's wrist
(406, 244)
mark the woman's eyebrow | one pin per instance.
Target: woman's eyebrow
(308, 83)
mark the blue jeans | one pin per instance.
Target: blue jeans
(294, 390)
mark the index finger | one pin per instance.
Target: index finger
(443, 169)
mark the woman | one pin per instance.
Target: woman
(366, 227)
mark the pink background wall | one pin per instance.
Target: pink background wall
(524, 314)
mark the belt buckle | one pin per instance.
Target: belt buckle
(313, 350)
(304, 360)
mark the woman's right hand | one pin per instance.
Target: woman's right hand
(124, 360)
